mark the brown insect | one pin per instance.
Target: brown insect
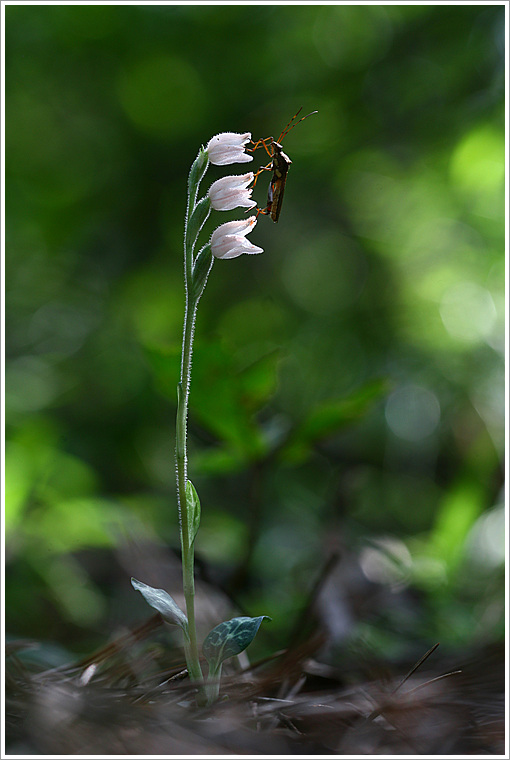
(279, 165)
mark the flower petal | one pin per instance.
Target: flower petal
(239, 227)
(233, 246)
(228, 148)
(229, 240)
(231, 192)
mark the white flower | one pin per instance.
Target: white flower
(231, 192)
(229, 240)
(228, 148)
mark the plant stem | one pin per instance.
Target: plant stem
(212, 685)
(187, 540)
(191, 647)
(187, 545)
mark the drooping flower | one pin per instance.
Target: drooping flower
(229, 240)
(231, 192)
(228, 148)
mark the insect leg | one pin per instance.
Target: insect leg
(266, 168)
(261, 142)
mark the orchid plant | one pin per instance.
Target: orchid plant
(227, 242)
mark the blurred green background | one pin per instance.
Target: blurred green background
(348, 387)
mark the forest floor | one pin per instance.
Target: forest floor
(129, 699)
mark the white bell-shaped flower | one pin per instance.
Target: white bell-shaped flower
(231, 192)
(228, 148)
(229, 240)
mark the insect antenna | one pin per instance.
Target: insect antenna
(291, 126)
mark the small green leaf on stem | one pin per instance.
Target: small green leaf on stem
(193, 507)
(197, 171)
(201, 269)
(197, 219)
(230, 638)
(163, 603)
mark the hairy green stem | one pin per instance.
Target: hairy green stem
(187, 546)
(191, 646)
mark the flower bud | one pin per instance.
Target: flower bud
(231, 192)
(228, 148)
(229, 240)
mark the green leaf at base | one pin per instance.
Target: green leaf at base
(163, 603)
(230, 638)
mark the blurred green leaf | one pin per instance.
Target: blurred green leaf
(224, 396)
(330, 417)
(216, 460)
(71, 524)
(223, 536)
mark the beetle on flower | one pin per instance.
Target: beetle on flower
(228, 148)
